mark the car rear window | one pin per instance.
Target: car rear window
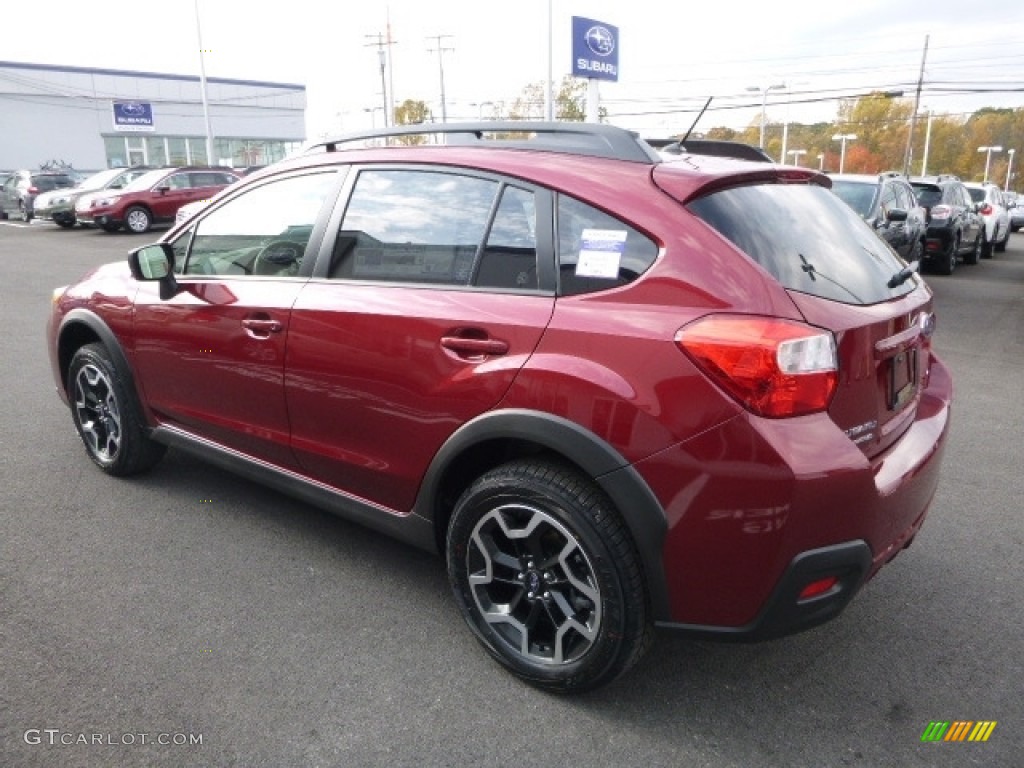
(977, 195)
(46, 183)
(928, 196)
(808, 239)
(858, 195)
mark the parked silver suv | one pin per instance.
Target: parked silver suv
(988, 199)
(18, 194)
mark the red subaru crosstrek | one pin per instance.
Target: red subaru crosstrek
(615, 392)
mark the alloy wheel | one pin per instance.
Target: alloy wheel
(97, 413)
(534, 584)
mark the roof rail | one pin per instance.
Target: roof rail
(588, 139)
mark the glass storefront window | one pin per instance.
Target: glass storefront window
(177, 151)
(197, 151)
(114, 148)
(156, 150)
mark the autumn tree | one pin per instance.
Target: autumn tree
(570, 102)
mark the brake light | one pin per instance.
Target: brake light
(941, 212)
(774, 368)
(986, 210)
(33, 190)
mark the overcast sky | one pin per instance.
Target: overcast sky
(672, 56)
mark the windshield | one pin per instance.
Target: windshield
(856, 194)
(146, 180)
(101, 179)
(808, 239)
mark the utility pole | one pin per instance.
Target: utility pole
(907, 156)
(441, 50)
(382, 59)
(210, 159)
(391, 70)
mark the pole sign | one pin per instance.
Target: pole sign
(133, 116)
(595, 49)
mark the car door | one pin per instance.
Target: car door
(211, 359)
(893, 232)
(169, 194)
(434, 291)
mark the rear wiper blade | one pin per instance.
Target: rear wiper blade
(904, 274)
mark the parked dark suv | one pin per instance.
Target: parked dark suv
(955, 228)
(616, 393)
(19, 190)
(888, 204)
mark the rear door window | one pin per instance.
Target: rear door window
(808, 239)
(439, 228)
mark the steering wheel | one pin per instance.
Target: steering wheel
(279, 257)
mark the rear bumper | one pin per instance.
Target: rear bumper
(759, 509)
(785, 611)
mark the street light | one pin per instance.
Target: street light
(763, 90)
(843, 137)
(796, 155)
(480, 108)
(1009, 165)
(988, 158)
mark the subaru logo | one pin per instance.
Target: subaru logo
(133, 108)
(600, 41)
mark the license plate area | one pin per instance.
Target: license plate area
(903, 379)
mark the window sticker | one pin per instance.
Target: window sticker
(600, 252)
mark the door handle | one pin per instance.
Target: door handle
(474, 347)
(261, 327)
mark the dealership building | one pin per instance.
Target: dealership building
(90, 119)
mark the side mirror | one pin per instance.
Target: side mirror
(896, 214)
(163, 190)
(155, 263)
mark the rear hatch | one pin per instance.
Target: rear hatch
(842, 278)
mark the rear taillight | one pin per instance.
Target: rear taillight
(941, 212)
(33, 190)
(986, 210)
(775, 368)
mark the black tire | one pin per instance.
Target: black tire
(138, 220)
(947, 264)
(66, 223)
(111, 227)
(540, 550)
(975, 255)
(986, 247)
(1000, 245)
(25, 213)
(107, 414)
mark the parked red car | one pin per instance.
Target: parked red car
(152, 198)
(615, 392)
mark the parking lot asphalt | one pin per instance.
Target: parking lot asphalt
(190, 618)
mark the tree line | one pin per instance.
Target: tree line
(880, 123)
(882, 126)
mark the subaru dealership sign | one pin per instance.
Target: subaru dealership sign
(133, 116)
(595, 49)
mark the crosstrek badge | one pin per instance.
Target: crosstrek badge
(600, 252)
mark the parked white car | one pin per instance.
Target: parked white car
(989, 199)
